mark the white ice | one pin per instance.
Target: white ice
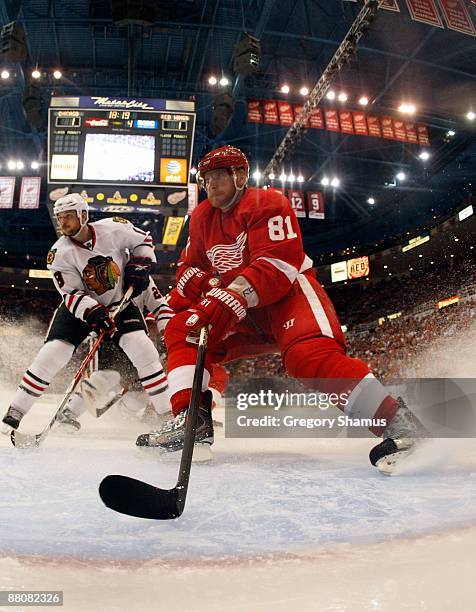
(269, 524)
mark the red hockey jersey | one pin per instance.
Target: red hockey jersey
(259, 239)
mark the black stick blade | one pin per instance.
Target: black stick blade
(137, 498)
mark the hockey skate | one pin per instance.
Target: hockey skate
(12, 419)
(67, 421)
(402, 436)
(170, 438)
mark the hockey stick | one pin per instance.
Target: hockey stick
(98, 412)
(21, 440)
(137, 498)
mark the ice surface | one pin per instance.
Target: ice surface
(287, 506)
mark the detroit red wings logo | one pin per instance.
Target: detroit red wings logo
(225, 257)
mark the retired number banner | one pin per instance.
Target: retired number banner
(424, 11)
(7, 189)
(30, 192)
(254, 111)
(296, 197)
(286, 116)
(271, 112)
(315, 205)
(457, 16)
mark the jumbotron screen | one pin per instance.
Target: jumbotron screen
(98, 141)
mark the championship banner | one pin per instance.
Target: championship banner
(399, 130)
(360, 123)
(422, 133)
(254, 111)
(30, 192)
(192, 197)
(271, 112)
(296, 197)
(389, 5)
(315, 205)
(7, 189)
(424, 11)
(286, 116)
(346, 124)
(374, 126)
(410, 129)
(172, 230)
(387, 128)
(316, 120)
(332, 120)
(457, 16)
(298, 110)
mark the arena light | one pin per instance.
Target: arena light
(330, 95)
(224, 81)
(424, 155)
(35, 165)
(291, 178)
(342, 97)
(363, 101)
(407, 109)
(256, 175)
(11, 165)
(5, 74)
(335, 182)
(401, 176)
(284, 89)
(371, 201)
(282, 177)
(304, 91)
(36, 74)
(272, 176)
(470, 115)
(450, 133)
(212, 80)
(300, 178)
(325, 181)
(20, 165)
(57, 74)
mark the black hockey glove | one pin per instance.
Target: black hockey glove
(136, 274)
(99, 320)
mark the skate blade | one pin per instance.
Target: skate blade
(202, 452)
(402, 461)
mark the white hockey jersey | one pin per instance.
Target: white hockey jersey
(91, 273)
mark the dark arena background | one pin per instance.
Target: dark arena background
(363, 114)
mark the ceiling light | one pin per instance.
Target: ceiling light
(20, 165)
(224, 81)
(330, 95)
(57, 74)
(470, 115)
(304, 91)
(36, 74)
(35, 165)
(363, 101)
(291, 178)
(335, 182)
(11, 165)
(424, 155)
(300, 179)
(5, 74)
(256, 174)
(282, 177)
(371, 201)
(212, 80)
(272, 176)
(193, 171)
(401, 176)
(407, 109)
(342, 97)
(325, 181)
(285, 89)
(450, 133)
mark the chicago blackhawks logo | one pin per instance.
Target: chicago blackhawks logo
(225, 257)
(101, 274)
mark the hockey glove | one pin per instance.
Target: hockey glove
(176, 302)
(221, 309)
(136, 274)
(99, 320)
(193, 283)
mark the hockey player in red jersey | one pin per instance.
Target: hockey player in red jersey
(250, 281)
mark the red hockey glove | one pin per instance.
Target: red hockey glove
(176, 302)
(99, 320)
(193, 283)
(221, 309)
(136, 273)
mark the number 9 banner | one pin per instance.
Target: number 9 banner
(315, 205)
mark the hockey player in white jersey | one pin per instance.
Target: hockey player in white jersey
(92, 265)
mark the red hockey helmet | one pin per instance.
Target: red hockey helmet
(224, 157)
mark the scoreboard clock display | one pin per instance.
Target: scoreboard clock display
(120, 142)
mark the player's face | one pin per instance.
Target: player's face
(220, 186)
(68, 222)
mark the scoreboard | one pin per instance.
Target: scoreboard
(120, 142)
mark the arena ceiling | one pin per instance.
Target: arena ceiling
(398, 60)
